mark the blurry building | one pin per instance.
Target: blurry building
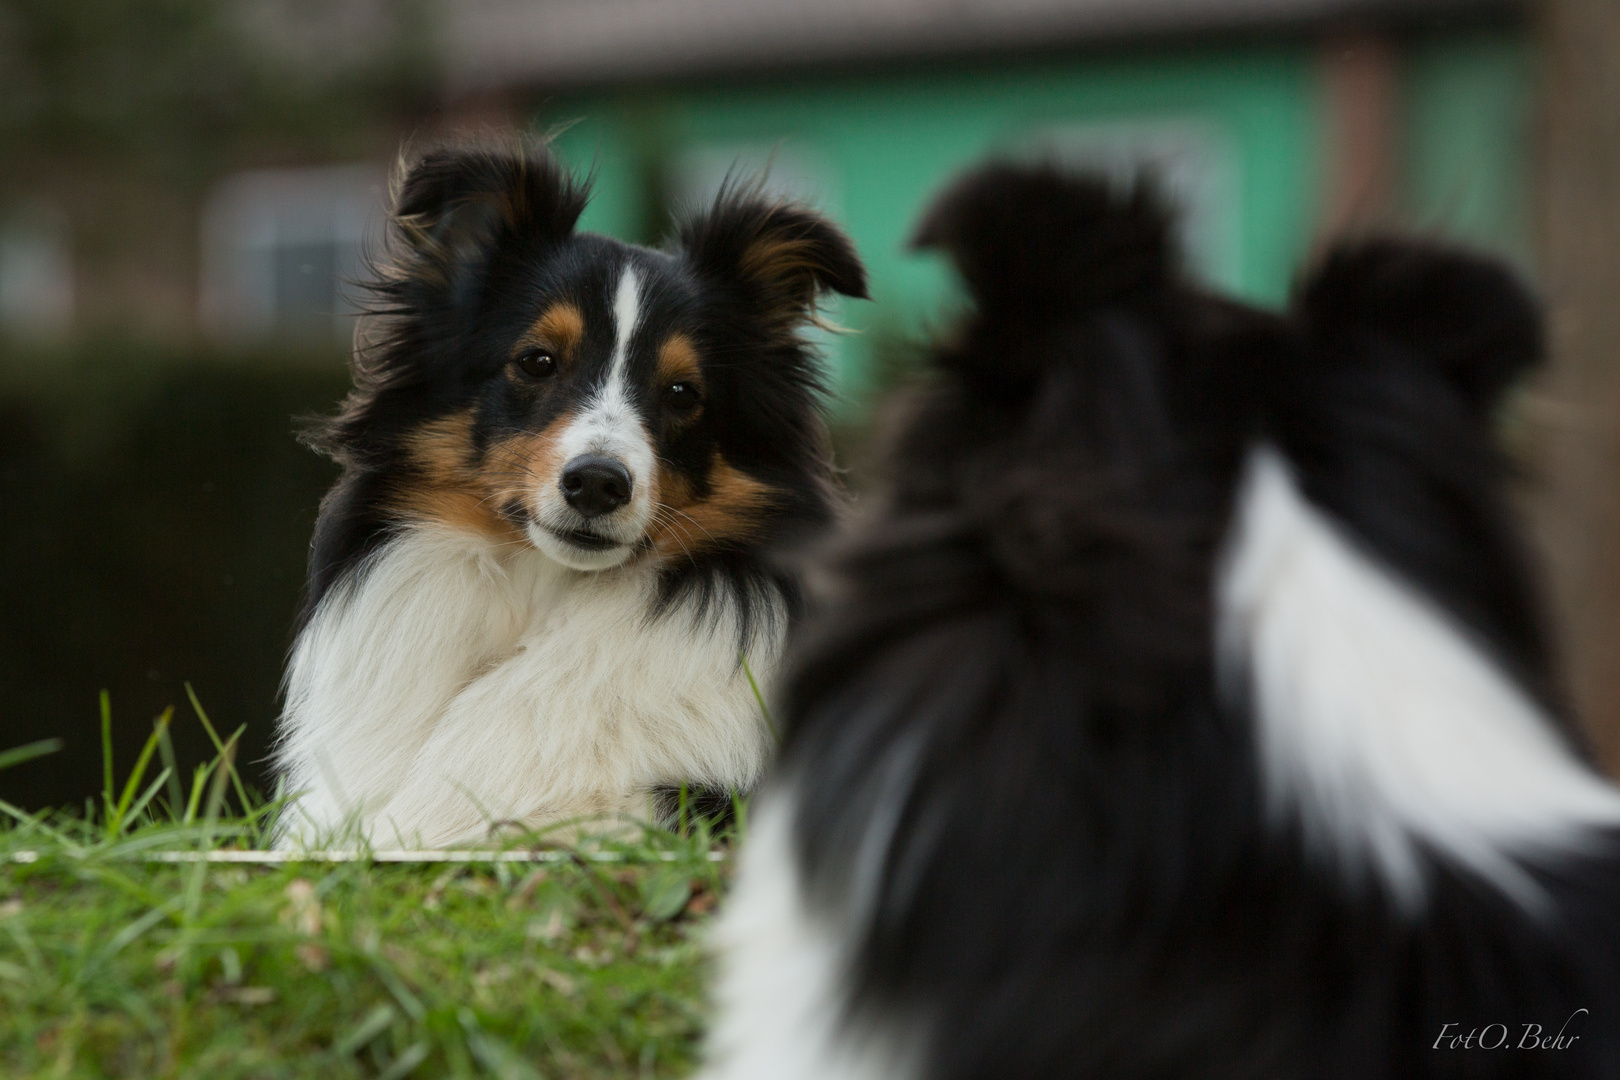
(36, 273)
(1269, 121)
(282, 248)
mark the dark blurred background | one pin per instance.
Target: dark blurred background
(186, 186)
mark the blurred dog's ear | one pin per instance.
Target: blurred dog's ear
(779, 256)
(1469, 317)
(454, 206)
(1064, 268)
(1039, 239)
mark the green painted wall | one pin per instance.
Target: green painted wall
(880, 144)
(1466, 147)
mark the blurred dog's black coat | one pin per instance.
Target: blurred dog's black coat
(1026, 803)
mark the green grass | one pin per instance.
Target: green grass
(116, 960)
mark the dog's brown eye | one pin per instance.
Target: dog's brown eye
(681, 397)
(537, 364)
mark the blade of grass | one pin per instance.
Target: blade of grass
(28, 752)
(216, 798)
(115, 879)
(374, 1024)
(243, 798)
(139, 927)
(241, 790)
(412, 1056)
(493, 1053)
(134, 814)
(267, 818)
(604, 889)
(37, 821)
(177, 794)
(87, 971)
(216, 791)
(764, 709)
(25, 945)
(198, 779)
(167, 838)
(115, 819)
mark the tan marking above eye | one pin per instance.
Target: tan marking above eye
(558, 330)
(678, 362)
(678, 365)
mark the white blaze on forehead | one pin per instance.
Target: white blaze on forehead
(626, 314)
(1382, 728)
(611, 405)
(609, 424)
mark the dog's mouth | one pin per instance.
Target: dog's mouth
(583, 539)
(574, 543)
(586, 541)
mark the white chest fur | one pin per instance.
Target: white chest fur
(455, 684)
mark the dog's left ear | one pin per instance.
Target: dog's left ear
(779, 256)
(1467, 316)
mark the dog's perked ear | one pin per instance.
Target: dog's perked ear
(1041, 247)
(778, 256)
(1465, 317)
(1037, 237)
(455, 207)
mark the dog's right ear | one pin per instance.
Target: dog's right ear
(780, 257)
(453, 207)
(1466, 317)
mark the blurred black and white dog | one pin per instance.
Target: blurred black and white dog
(1186, 712)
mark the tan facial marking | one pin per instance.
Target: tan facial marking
(678, 361)
(560, 327)
(518, 466)
(458, 488)
(732, 510)
(448, 489)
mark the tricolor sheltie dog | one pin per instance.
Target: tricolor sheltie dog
(1186, 711)
(532, 591)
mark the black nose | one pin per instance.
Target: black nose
(595, 484)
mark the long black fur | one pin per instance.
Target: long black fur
(1082, 881)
